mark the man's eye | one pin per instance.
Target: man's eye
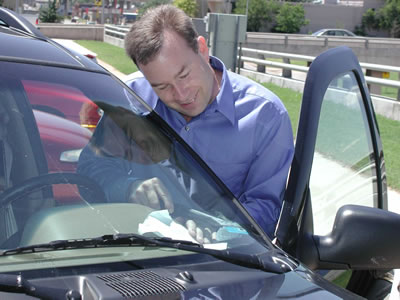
(184, 76)
(163, 87)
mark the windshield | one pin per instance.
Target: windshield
(82, 157)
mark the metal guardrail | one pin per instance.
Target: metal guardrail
(115, 31)
(314, 41)
(263, 61)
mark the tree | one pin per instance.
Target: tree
(290, 18)
(369, 19)
(49, 14)
(386, 18)
(188, 6)
(259, 14)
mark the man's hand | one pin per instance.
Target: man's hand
(152, 193)
(201, 235)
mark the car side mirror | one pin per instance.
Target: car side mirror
(362, 238)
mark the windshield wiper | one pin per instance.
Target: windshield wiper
(104, 240)
(272, 262)
(17, 284)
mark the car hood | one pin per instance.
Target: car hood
(215, 280)
(298, 284)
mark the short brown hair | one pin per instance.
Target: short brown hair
(145, 38)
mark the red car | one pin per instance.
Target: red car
(52, 98)
(62, 111)
(63, 141)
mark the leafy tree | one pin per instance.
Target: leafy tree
(259, 14)
(369, 19)
(1, 2)
(188, 6)
(389, 17)
(386, 18)
(49, 14)
(359, 30)
(290, 18)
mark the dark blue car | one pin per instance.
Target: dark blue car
(101, 246)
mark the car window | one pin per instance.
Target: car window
(74, 154)
(343, 170)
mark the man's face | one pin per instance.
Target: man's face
(182, 79)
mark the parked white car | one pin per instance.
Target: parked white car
(334, 32)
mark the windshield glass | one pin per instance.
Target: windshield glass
(82, 157)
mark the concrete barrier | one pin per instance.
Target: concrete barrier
(72, 31)
(383, 51)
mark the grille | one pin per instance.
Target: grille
(140, 284)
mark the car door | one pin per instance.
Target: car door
(338, 157)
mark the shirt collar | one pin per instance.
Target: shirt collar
(224, 102)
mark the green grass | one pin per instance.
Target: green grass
(390, 135)
(342, 279)
(113, 55)
(390, 91)
(292, 61)
(389, 129)
(292, 101)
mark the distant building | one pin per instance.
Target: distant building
(11, 4)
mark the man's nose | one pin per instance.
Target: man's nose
(181, 92)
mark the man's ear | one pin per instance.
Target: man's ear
(203, 49)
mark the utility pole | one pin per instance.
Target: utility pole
(65, 8)
(102, 11)
(17, 6)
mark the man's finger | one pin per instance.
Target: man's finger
(191, 227)
(207, 234)
(163, 195)
(199, 235)
(149, 189)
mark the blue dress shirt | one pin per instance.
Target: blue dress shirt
(245, 137)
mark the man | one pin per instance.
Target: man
(239, 128)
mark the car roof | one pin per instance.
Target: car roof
(19, 44)
(336, 29)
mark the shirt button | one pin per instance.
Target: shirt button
(187, 128)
